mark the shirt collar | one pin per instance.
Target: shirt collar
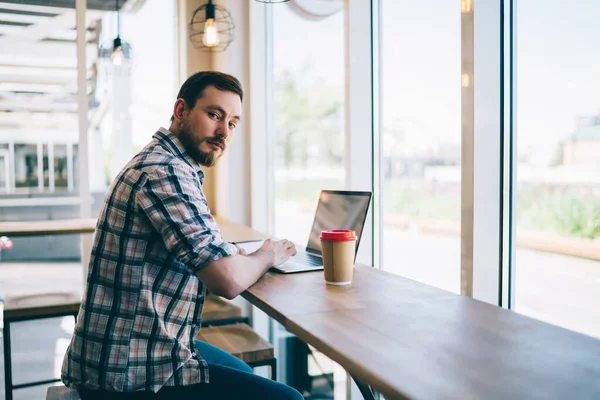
(174, 145)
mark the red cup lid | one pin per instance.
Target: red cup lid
(338, 235)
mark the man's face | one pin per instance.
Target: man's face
(206, 130)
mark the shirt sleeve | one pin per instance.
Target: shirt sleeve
(173, 200)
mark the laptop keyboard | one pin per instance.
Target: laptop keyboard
(307, 258)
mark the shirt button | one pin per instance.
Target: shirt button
(194, 326)
(194, 354)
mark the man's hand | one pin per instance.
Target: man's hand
(241, 251)
(278, 251)
(230, 276)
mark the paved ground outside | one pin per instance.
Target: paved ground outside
(555, 288)
(38, 346)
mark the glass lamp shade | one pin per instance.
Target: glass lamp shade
(116, 52)
(211, 28)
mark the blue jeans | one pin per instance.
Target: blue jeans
(215, 356)
(229, 378)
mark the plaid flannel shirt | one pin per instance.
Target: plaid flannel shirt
(142, 305)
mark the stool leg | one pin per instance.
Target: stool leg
(7, 362)
(274, 369)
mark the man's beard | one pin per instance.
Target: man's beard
(208, 159)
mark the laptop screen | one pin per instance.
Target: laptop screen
(339, 210)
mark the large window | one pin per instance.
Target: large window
(56, 168)
(40, 153)
(308, 115)
(558, 158)
(38, 107)
(38, 95)
(308, 133)
(136, 97)
(556, 131)
(421, 140)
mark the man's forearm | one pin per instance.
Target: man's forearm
(230, 276)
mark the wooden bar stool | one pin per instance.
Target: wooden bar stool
(30, 307)
(62, 393)
(218, 311)
(243, 342)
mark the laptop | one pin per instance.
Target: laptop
(337, 209)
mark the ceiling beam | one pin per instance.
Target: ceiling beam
(20, 19)
(49, 59)
(36, 105)
(19, 6)
(41, 30)
(52, 79)
(104, 5)
(32, 136)
(31, 121)
(66, 50)
(68, 73)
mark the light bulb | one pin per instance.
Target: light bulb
(211, 33)
(117, 56)
(466, 6)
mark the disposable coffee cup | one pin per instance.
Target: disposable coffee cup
(337, 248)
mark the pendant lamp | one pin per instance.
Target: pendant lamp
(117, 51)
(211, 28)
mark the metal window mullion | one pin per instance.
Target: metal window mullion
(70, 172)
(481, 266)
(82, 99)
(40, 165)
(378, 188)
(358, 124)
(51, 166)
(260, 26)
(11, 166)
(467, 146)
(510, 159)
(502, 144)
(509, 169)
(270, 139)
(262, 196)
(5, 159)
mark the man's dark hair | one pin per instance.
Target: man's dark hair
(193, 88)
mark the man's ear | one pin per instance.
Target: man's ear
(179, 109)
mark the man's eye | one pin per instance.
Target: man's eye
(213, 115)
(231, 125)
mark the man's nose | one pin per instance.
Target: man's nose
(223, 130)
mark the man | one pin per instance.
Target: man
(156, 251)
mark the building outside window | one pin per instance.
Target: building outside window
(61, 173)
(26, 166)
